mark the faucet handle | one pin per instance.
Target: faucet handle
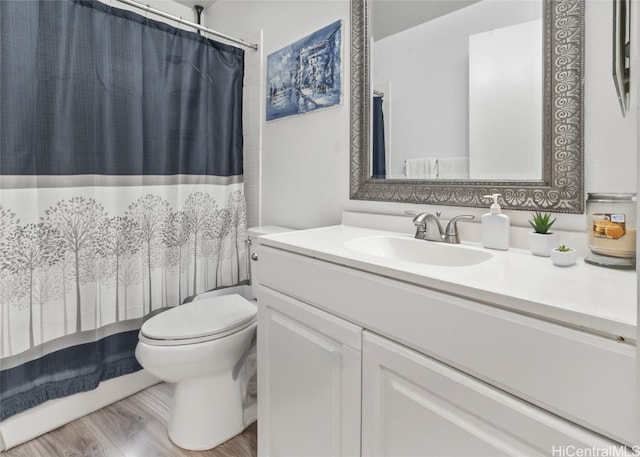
(451, 232)
(418, 218)
(409, 212)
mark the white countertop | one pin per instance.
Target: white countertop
(599, 299)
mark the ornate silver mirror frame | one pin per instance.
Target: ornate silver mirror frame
(562, 186)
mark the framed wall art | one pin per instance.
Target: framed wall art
(306, 75)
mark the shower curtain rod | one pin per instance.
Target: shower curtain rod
(178, 19)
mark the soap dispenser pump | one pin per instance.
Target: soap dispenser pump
(495, 226)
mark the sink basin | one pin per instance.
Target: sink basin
(418, 251)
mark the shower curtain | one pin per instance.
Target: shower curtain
(378, 147)
(121, 188)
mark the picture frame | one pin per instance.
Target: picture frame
(306, 75)
(621, 49)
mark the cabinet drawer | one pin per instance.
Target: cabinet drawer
(585, 378)
(414, 405)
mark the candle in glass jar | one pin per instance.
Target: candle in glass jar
(611, 224)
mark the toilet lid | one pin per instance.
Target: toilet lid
(201, 319)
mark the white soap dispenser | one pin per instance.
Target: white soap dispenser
(495, 226)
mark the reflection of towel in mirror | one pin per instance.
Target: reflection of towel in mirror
(420, 168)
(452, 168)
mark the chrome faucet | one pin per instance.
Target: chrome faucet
(428, 227)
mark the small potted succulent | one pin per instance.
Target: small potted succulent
(541, 240)
(564, 256)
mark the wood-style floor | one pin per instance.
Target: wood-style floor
(133, 427)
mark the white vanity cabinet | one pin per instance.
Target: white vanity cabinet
(413, 405)
(441, 374)
(309, 375)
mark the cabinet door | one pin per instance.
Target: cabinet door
(309, 378)
(415, 406)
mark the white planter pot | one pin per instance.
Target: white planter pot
(564, 259)
(542, 244)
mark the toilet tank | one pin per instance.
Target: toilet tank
(253, 233)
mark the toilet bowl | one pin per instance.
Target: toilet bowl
(198, 346)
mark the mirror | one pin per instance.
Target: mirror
(621, 51)
(469, 108)
(556, 183)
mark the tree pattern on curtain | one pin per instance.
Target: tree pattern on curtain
(77, 245)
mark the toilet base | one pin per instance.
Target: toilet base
(207, 411)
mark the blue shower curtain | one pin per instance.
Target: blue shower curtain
(378, 148)
(121, 188)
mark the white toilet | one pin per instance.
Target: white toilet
(197, 346)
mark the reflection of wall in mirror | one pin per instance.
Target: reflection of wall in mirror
(505, 103)
(427, 66)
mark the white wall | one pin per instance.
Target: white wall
(304, 165)
(305, 159)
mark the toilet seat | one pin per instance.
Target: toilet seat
(198, 321)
